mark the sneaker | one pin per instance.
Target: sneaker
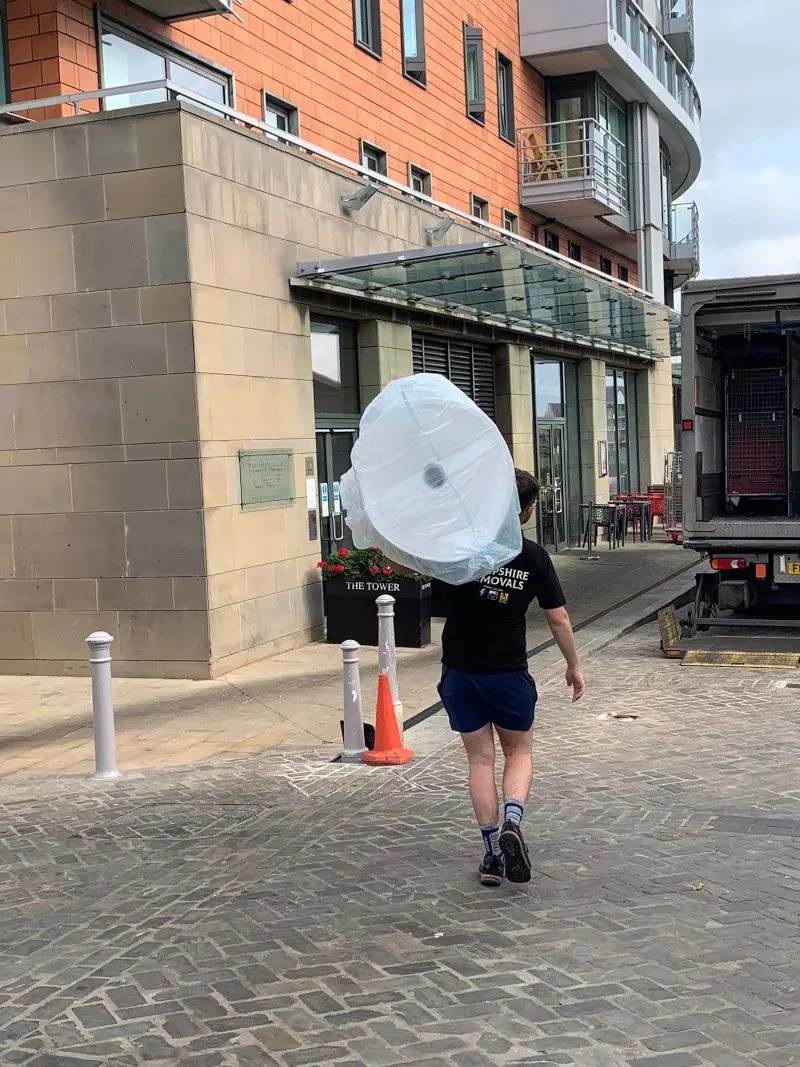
(515, 851)
(491, 870)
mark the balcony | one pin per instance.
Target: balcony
(178, 10)
(682, 243)
(572, 170)
(615, 38)
(678, 29)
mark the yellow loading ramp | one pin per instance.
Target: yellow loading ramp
(768, 650)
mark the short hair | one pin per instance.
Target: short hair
(527, 488)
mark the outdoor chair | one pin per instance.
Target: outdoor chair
(603, 517)
(540, 162)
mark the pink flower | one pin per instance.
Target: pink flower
(343, 553)
(387, 571)
(339, 568)
(322, 565)
(374, 570)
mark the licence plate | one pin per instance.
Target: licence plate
(793, 568)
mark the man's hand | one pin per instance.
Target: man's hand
(574, 679)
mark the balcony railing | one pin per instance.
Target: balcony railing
(682, 243)
(686, 224)
(678, 28)
(576, 159)
(629, 21)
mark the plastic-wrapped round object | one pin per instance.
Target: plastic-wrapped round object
(432, 482)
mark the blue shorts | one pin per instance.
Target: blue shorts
(471, 701)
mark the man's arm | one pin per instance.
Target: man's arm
(561, 629)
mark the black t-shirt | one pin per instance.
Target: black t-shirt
(485, 628)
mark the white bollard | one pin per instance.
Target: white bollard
(105, 755)
(387, 652)
(354, 747)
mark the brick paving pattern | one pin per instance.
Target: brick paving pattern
(281, 911)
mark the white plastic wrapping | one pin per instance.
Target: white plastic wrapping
(432, 483)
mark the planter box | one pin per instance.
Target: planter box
(353, 614)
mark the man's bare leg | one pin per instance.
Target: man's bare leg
(517, 748)
(482, 788)
(480, 750)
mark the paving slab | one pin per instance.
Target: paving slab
(290, 701)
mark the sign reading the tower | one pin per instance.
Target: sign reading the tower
(267, 478)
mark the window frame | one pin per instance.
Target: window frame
(552, 236)
(506, 65)
(510, 221)
(414, 68)
(476, 107)
(107, 22)
(278, 104)
(623, 273)
(427, 179)
(606, 266)
(374, 46)
(572, 248)
(480, 202)
(380, 153)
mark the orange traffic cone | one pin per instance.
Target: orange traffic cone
(388, 749)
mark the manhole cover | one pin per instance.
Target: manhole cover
(176, 822)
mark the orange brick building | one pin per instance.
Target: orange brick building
(229, 233)
(305, 52)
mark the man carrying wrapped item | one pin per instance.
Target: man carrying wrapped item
(486, 687)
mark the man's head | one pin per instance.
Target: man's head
(528, 490)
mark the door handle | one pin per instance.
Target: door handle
(558, 499)
(338, 530)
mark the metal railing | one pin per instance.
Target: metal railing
(685, 225)
(74, 101)
(577, 148)
(628, 20)
(679, 9)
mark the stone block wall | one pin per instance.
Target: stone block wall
(100, 495)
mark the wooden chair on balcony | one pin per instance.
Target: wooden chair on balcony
(541, 162)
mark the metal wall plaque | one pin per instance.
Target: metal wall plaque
(267, 479)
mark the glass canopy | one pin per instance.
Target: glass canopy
(509, 286)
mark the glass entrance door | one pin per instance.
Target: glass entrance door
(552, 475)
(333, 459)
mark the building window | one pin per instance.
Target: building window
(280, 115)
(367, 17)
(334, 365)
(605, 265)
(505, 98)
(479, 207)
(552, 241)
(622, 272)
(413, 40)
(419, 180)
(666, 192)
(510, 221)
(575, 251)
(128, 57)
(473, 71)
(374, 158)
(622, 429)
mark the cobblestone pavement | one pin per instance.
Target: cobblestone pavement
(286, 911)
(289, 701)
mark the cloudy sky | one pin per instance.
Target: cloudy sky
(748, 191)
